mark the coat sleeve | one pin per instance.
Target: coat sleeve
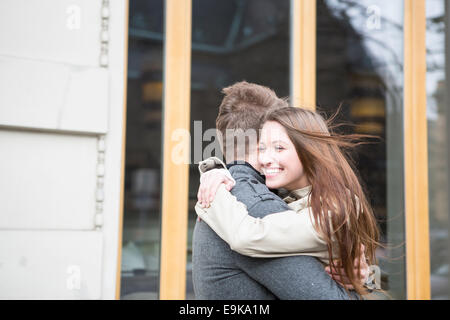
(214, 164)
(210, 163)
(274, 235)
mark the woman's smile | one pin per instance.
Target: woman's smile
(272, 172)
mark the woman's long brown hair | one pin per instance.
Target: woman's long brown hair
(342, 214)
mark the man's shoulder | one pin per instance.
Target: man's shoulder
(259, 200)
(242, 170)
(245, 175)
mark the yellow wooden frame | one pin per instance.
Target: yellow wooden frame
(416, 152)
(175, 181)
(122, 162)
(303, 53)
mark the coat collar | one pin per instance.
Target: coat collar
(241, 167)
(299, 194)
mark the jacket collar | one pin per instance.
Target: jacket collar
(247, 168)
(298, 194)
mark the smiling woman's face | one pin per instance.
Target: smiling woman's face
(279, 160)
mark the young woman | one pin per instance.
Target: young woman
(332, 219)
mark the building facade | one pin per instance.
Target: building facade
(99, 181)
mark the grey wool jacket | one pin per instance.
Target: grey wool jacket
(220, 273)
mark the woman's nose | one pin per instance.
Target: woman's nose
(264, 158)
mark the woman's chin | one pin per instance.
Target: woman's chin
(273, 184)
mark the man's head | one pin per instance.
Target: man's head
(239, 119)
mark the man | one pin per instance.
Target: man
(220, 273)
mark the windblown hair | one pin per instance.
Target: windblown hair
(341, 212)
(242, 109)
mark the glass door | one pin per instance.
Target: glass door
(231, 41)
(141, 218)
(438, 112)
(360, 65)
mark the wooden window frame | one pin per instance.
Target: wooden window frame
(122, 165)
(416, 152)
(303, 54)
(175, 180)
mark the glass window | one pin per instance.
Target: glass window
(232, 41)
(141, 218)
(360, 64)
(437, 38)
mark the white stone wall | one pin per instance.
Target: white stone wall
(61, 135)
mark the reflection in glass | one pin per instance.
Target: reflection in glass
(141, 220)
(438, 140)
(360, 64)
(232, 41)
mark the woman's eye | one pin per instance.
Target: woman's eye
(279, 148)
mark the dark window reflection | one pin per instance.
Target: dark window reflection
(360, 64)
(232, 41)
(141, 223)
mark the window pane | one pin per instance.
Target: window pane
(231, 41)
(360, 64)
(141, 220)
(438, 140)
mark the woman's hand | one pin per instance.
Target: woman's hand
(340, 276)
(210, 182)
